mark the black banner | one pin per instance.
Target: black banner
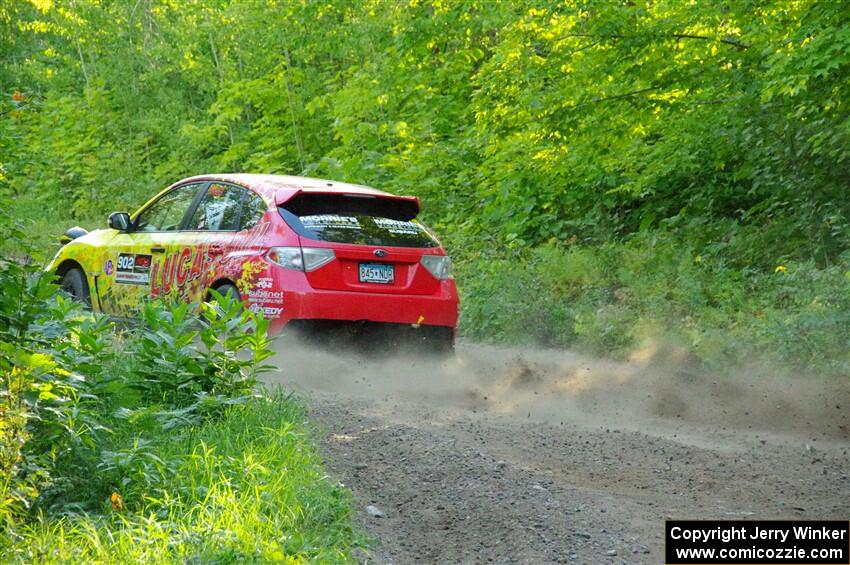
(761, 542)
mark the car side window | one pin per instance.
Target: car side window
(167, 213)
(253, 208)
(218, 210)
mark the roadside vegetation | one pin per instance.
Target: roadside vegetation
(602, 172)
(661, 293)
(151, 444)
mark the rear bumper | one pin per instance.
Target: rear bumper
(439, 309)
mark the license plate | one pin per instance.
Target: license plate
(377, 273)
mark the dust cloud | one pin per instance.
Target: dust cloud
(658, 390)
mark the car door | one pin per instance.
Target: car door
(140, 259)
(210, 234)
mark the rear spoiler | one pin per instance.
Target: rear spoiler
(309, 202)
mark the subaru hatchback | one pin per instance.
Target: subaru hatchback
(316, 252)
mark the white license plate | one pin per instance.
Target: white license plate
(376, 273)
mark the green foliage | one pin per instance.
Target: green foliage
(177, 358)
(46, 351)
(246, 487)
(610, 299)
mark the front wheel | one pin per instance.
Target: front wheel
(74, 283)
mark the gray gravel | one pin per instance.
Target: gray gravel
(443, 478)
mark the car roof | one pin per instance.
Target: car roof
(281, 188)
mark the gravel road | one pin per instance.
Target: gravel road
(531, 456)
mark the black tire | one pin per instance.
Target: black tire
(229, 290)
(225, 290)
(74, 283)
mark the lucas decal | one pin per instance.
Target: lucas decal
(189, 268)
(178, 269)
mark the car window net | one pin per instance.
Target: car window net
(218, 210)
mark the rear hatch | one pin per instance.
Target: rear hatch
(377, 242)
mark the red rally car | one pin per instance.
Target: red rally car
(297, 249)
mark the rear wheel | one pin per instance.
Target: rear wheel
(228, 290)
(74, 283)
(225, 290)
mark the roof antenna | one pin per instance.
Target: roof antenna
(330, 184)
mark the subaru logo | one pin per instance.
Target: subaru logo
(380, 253)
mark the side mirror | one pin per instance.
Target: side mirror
(119, 221)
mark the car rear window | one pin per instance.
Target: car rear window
(357, 220)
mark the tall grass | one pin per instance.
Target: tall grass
(610, 298)
(248, 488)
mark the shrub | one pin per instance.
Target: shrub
(247, 486)
(79, 399)
(608, 298)
(46, 346)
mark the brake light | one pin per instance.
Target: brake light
(304, 259)
(438, 265)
